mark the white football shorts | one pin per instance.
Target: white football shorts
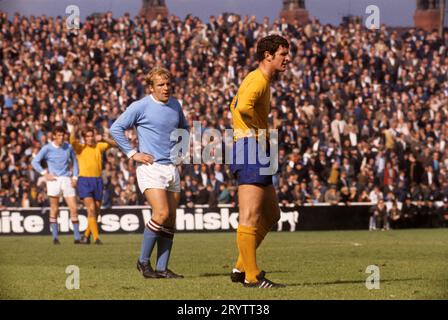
(61, 186)
(158, 176)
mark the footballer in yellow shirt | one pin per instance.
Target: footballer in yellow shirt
(257, 198)
(90, 183)
(250, 107)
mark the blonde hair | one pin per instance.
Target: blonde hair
(157, 71)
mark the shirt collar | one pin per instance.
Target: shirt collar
(157, 101)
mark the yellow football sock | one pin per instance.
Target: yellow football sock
(93, 225)
(247, 245)
(261, 234)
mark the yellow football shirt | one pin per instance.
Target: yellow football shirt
(250, 107)
(90, 160)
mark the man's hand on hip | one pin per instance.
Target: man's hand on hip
(143, 158)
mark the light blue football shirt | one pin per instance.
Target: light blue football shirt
(154, 121)
(58, 160)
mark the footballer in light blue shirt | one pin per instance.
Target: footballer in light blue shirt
(155, 117)
(154, 120)
(59, 155)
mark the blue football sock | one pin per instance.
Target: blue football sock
(76, 233)
(54, 230)
(164, 245)
(149, 240)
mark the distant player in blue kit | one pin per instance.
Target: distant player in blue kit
(155, 117)
(59, 155)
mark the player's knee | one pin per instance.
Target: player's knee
(54, 210)
(249, 218)
(91, 210)
(73, 211)
(161, 216)
(91, 213)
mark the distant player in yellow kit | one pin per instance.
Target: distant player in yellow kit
(257, 199)
(90, 183)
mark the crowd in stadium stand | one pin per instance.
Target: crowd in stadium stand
(362, 114)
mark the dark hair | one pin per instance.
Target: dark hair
(270, 44)
(87, 129)
(58, 129)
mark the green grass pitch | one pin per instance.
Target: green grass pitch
(315, 265)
